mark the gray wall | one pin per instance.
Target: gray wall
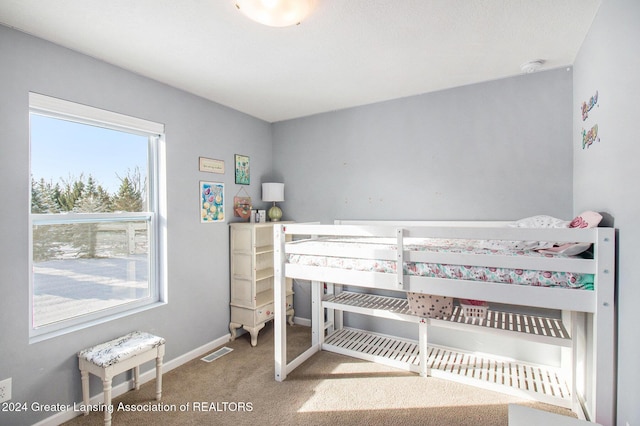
(198, 271)
(493, 151)
(497, 150)
(606, 175)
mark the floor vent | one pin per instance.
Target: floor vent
(217, 354)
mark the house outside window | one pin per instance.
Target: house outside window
(96, 215)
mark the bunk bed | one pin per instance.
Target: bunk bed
(353, 266)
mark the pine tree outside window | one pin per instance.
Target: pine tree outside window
(96, 216)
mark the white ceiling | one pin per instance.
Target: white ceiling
(347, 53)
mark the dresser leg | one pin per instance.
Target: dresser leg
(290, 314)
(254, 333)
(233, 326)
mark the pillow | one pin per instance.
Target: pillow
(541, 221)
(586, 219)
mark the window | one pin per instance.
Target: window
(96, 234)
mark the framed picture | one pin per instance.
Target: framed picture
(211, 202)
(211, 166)
(242, 169)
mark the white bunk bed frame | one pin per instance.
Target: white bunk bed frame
(588, 342)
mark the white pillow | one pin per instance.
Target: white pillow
(541, 221)
(586, 219)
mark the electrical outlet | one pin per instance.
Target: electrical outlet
(5, 390)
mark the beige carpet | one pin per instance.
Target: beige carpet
(329, 389)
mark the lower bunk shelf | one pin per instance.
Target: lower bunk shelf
(529, 327)
(541, 383)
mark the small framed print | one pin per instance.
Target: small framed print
(242, 170)
(211, 166)
(211, 202)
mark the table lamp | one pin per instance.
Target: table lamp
(273, 192)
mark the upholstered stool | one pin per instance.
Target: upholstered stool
(117, 356)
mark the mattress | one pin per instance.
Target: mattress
(437, 270)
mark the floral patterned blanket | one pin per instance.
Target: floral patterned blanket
(473, 273)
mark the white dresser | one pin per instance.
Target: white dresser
(252, 278)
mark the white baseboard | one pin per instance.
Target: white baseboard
(302, 321)
(148, 375)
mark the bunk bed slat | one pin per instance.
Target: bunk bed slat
(536, 328)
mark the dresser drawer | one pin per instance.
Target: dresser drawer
(265, 313)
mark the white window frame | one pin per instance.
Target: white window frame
(155, 216)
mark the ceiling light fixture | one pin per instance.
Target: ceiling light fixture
(276, 13)
(532, 66)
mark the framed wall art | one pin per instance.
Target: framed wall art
(242, 169)
(211, 202)
(211, 165)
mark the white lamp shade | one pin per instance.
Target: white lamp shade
(273, 192)
(276, 13)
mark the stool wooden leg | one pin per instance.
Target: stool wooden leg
(106, 382)
(136, 377)
(84, 374)
(158, 378)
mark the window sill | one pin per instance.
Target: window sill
(92, 323)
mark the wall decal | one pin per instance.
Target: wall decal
(586, 107)
(590, 137)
